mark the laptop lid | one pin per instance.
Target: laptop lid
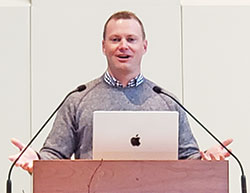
(135, 135)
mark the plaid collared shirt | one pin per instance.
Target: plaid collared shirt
(116, 83)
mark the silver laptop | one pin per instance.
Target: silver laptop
(135, 135)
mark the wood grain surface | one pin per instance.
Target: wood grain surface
(89, 176)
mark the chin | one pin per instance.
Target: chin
(123, 65)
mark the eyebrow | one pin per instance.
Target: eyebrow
(129, 35)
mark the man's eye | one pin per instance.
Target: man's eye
(115, 39)
(131, 39)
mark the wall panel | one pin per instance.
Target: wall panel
(15, 88)
(216, 76)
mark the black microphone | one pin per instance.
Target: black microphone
(8, 185)
(158, 90)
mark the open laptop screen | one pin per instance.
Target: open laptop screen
(135, 135)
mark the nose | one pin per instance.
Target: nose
(123, 44)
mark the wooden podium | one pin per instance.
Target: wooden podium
(91, 176)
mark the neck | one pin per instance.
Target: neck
(124, 78)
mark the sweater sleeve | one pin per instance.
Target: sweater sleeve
(188, 147)
(60, 143)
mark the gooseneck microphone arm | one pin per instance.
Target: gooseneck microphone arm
(158, 90)
(8, 185)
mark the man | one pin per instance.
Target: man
(121, 88)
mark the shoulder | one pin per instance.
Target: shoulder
(75, 98)
(166, 98)
(152, 84)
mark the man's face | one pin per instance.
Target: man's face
(124, 46)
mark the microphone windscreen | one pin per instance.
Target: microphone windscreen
(81, 88)
(157, 89)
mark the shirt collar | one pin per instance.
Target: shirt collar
(116, 83)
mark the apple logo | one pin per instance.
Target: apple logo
(135, 141)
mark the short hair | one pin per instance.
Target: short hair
(124, 15)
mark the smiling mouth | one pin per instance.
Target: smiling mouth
(123, 56)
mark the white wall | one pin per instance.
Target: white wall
(216, 62)
(15, 86)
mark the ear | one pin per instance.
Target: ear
(145, 46)
(103, 47)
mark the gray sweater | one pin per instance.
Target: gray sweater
(72, 129)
